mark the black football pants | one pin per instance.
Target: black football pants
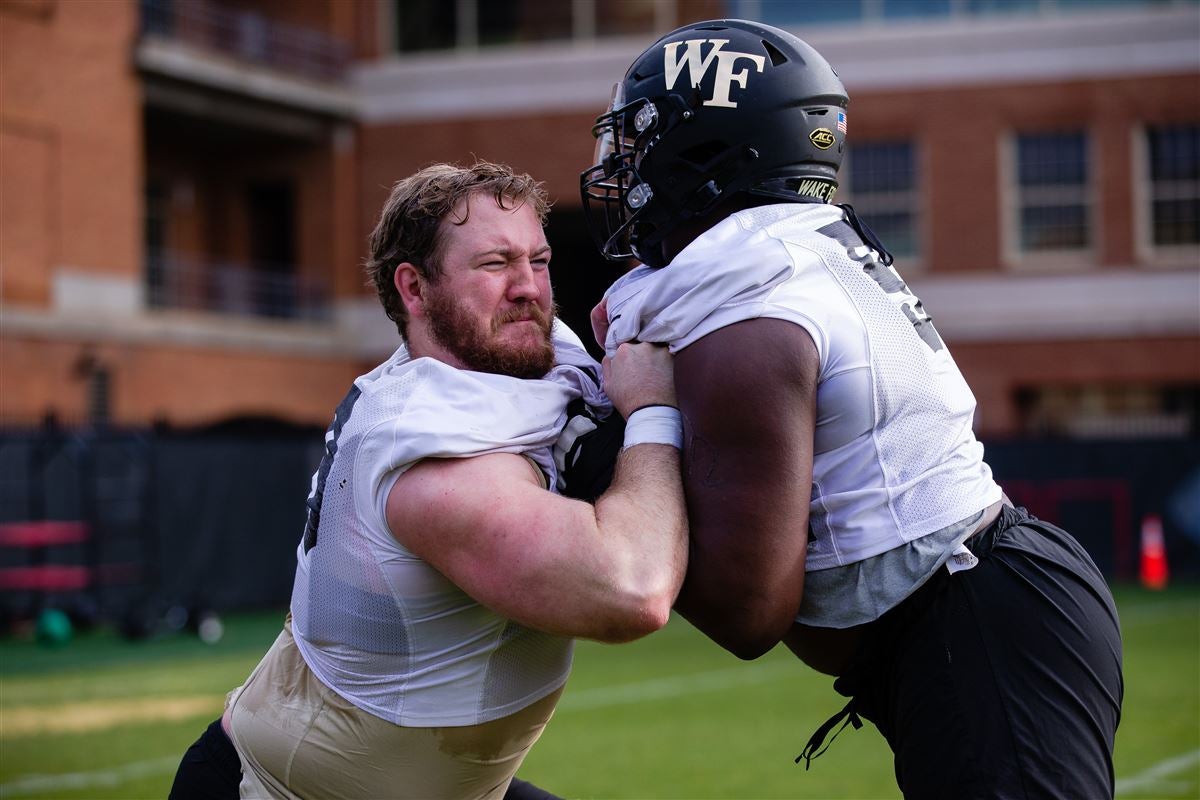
(1002, 681)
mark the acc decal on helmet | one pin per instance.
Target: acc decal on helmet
(709, 110)
(822, 138)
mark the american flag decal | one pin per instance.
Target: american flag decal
(841, 123)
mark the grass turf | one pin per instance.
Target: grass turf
(671, 716)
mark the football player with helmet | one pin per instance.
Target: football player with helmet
(838, 500)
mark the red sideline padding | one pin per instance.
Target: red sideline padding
(44, 533)
(49, 578)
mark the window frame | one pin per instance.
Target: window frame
(917, 204)
(1149, 253)
(1017, 257)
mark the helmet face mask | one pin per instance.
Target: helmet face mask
(710, 110)
(614, 193)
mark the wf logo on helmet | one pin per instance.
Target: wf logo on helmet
(698, 66)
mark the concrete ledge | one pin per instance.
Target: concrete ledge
(1109, 304)
(169, 328)
(1126, 304)
(74, 291)
(172, 59)
(973, 51)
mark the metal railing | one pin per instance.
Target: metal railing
(247, 35)
(190, 283)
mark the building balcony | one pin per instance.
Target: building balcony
(208, 60)
(248, 36)
(180, 282)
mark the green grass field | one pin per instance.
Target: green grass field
(671, 716)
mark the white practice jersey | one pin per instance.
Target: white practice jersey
(374, 622)
(894, 455)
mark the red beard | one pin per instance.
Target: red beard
(479, 350)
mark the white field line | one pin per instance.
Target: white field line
(584, 700)
(1156, 774)
(107, 778)
(99, 715)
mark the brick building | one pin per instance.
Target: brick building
(186, 187)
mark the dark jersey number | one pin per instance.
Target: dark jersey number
(331, 446)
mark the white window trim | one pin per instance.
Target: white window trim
(1016, 258)
(1148, 253)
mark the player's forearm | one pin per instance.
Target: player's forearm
(642, 528)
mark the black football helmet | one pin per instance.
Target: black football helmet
(709, 110)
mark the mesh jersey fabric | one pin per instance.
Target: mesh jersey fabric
(895, 458)
(374, 622)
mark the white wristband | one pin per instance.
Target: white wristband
(654, 425)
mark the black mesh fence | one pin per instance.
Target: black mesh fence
(123, 526)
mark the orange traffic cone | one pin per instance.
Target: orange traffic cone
(1154, 553)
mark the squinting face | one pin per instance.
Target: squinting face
(492, 307)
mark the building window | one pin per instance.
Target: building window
(155, 234)
(797, 15)
(629, 17)
(1008, 7)
(1174, 170)
(1110, 411)
(881, 182)
(469, 24)
(425, 25)
(1053, 207)
(260, 276)
(789, 13)
(522, 21)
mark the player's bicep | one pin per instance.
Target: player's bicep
(487, 523)
(747, 393)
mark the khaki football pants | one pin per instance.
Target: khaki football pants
(297, 738)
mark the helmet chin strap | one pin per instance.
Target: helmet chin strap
(690, 221)
(866, 233)
(656, 256)
(694, 218)
(728, 170)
